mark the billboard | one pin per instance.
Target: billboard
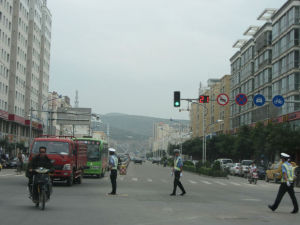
(74, 116)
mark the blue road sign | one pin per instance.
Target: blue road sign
(241, 99)
(259, 100)
(278, 100)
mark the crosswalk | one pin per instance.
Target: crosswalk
(202, 181)
(209, 182)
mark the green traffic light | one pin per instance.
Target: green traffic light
(176, 103)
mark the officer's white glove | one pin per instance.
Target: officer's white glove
(181, 174)
(288, 183)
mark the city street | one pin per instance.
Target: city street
(144, 200)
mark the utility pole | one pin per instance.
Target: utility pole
(30, 128)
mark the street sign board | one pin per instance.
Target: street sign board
(278, 100)
(74, 116)
(223, 99)
(259, 100)
(241, 99)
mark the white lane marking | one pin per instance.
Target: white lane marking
(251, 199)
(218, 182)
(5, 175)
(134, 179)
(205, 182)
(149, 180)
(164, 181)
(192, 182)
(236, 184)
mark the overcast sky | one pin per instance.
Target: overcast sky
(128, 56)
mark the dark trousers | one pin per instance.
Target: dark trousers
(282, 190)
(177, 182)
(113, 179)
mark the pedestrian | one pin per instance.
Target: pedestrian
(19, 163)
(287, 184)
(177, 171)
(113, 166)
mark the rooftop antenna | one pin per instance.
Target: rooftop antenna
(76, 100)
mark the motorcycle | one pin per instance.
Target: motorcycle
(43, 187)
(253, 176)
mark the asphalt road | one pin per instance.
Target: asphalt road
(144, 200)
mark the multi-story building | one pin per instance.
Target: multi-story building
(5, 43)
(25, 34)
(268, 64)
(285, 60)
(216, 117)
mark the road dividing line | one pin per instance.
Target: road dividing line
(251, 200)
(5, 175)
(218, 182)
(236, 184)
(205, 182)
(192, 182)
(134, 179)
(149, 180)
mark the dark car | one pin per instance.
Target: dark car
(13, 163)
(261, 172)
(138, 161)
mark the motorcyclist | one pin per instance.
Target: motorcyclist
(40, 160)
(252, 169)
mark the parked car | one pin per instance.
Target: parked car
(261, 172)
(225, 163)
(235, 169)
(244, 169)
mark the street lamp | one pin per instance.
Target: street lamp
(50, 100)
(204, 150)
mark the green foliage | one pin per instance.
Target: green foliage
(188, 163)
(216, 165)
(259, 142)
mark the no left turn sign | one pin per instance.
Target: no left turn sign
(223, 99)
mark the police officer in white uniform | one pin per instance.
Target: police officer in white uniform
(177, 170)
(287, 184)
(113, 166)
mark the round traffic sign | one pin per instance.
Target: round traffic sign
(241, 99)
(278, 100)
(259, 100)
(223, 99)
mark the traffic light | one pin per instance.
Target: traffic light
(176, 98)
(203, 99)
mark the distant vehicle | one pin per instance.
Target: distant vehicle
(68, 156)
(97, 156)
(274, 173)
(225, 163)
(261, 172)
(138, 161)
(235, 169)
(155, 161)
(13, 163)
(244, 169)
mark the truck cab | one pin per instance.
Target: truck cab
(68, 156)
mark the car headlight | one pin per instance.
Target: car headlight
(67, 167)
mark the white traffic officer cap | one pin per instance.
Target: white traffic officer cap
(284, 155)
(112, 150)
(176, 151)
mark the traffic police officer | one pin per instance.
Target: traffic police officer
(113, 166)
(177, 170)
(287, 184)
